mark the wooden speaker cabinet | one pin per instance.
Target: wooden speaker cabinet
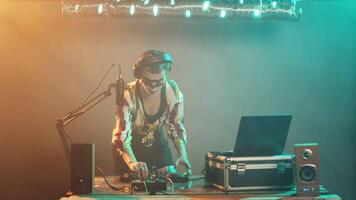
(307, 169)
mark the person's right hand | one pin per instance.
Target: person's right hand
(185, 162)
(140, 168)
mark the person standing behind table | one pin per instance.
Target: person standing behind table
(151, 113)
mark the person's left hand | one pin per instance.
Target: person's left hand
(185, 162)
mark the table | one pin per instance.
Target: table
(196, 188)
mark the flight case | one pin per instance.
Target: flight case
(231, 173)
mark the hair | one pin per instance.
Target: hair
(152, 59)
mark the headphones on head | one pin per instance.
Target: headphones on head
(150, 57)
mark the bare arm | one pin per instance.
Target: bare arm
(122, 138)
(183, 156)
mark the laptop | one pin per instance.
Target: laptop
(262, 135)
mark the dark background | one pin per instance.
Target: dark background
(226, 69)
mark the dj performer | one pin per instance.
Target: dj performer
(152, 113)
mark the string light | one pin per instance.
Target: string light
(77, 6)
(100, 9)
(223, 13)
(155, 10)
(274, 4)
(206, 5)
(188, 13)
(132, 9)
(239, 9)
(257, 13)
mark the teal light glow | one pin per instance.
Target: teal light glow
(132, 9)
(274, 4)
(206, 5)
(145, 2)
(241, 1)
(173, 2)
(188, 13)
(223, 13)
(100, 8)
(155, 10)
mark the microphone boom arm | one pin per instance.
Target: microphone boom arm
(75, 113)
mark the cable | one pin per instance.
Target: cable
(203, 171)
(165, 193)
(107, 182)
(144, 183)
(100, 82)
(195, 179)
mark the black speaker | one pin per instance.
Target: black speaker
(307, 169)
(82, 168)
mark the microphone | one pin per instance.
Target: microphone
(120, 88)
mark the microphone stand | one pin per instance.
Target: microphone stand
(75, 113)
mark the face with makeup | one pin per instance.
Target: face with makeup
(154, 77)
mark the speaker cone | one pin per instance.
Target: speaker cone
(307, 173)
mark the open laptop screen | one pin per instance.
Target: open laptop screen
(262, 135)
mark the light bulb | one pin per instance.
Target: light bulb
(274, 4)
(100, 8)
(223, 13)
(155, 10)
(188, 13)
(257, 13)
(206, 5)
(132, 9)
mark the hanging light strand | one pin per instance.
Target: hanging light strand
(241, 9)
